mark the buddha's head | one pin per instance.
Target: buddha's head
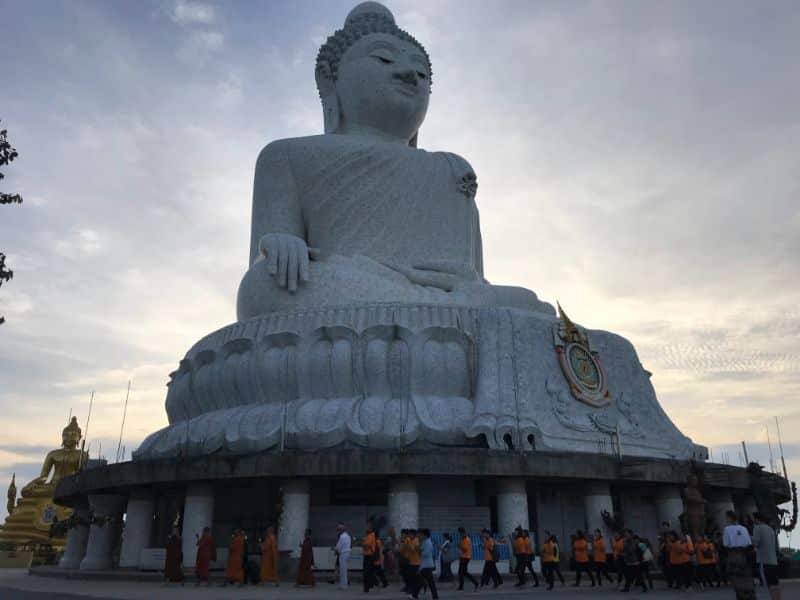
(71, 435)
(373, 75)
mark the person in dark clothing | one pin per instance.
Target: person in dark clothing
(632, 555)
(446, 558)
(490, 556)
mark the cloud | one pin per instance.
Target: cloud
(193, 13)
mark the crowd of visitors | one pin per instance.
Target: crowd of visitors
(736, 556)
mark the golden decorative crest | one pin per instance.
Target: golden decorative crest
(580, 365)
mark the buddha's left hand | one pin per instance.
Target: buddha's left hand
(443, 274)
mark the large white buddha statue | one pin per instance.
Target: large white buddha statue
(365, 318)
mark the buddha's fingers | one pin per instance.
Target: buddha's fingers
(293, 267)
(303, 260)
(283, 261)
(314, 253)
(270, 252)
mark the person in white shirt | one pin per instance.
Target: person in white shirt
(343, 547)
(737, 540)
(765, 543)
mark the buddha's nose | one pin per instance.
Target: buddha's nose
(408, 76)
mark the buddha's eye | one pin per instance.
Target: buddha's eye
(422, 75)
(384, 60)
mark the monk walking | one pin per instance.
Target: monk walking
(305, 570)
(173, 565)
(269, 558)
(234, 573)
(206, 554)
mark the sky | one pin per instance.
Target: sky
(638, 162)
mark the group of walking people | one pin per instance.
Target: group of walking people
(734, 555)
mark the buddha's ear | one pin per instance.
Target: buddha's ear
(327, 92)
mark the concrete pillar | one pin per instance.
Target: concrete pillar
(669, 505)
(719, 503)
(77, 538)
(294, 518)
(104, 532)
(138, 527)
(512, 505)
(198, 512)
(596, 499)
(403, 504)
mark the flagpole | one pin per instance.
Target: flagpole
(124, 414)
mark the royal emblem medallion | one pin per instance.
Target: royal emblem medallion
(581, 366)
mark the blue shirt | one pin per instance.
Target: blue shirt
(427, 555)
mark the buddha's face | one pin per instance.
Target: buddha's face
(383, 83)
(69, 440)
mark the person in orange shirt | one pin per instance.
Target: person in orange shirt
(548, 558)
(526, 535)
(520, 557)
(369, 548)
(580, 552)
(489, 561)
(464, 556)
(619, 562)
(600, 558)
(680, 557)
(414, 559)
(707, 563)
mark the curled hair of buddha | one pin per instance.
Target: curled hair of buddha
(356, 27)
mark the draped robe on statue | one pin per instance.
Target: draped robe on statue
(374, 211)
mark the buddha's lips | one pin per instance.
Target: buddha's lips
(406, 88)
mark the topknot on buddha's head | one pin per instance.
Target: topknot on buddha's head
(363, 20)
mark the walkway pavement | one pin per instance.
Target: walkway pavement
(18, 585)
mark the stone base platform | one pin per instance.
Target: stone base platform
(395, 376)
(442, 462)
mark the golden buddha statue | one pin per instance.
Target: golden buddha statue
(30, 520)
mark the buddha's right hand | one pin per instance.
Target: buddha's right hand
(287, 258)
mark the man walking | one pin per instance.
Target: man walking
(580, 553)
(369, 547)
(600, 559)
(765, 544)
(490, 555)
(343, 549)
(464, 556)
(737, 540)
(632, 555)
(427, 566)
(529, 556)
(519, 557)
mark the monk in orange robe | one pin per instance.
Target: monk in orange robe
(305, 570)
(235, 571)
(206, 554)
(269, 558)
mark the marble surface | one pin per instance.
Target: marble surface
(392, 375)
(365, 316)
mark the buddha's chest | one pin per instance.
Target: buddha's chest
(365, 186)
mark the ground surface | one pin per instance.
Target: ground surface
(18, 585)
